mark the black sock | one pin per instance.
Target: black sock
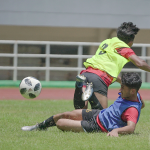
(47, 123)
(78, 102)
(79, 84)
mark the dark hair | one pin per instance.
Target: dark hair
(132, 80)
(127, 31)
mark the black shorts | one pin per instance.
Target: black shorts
(89, 123)
(98, 84)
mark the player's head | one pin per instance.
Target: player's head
(130, 84)
(126, 32)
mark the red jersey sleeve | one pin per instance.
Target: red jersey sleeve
(125, 52)
(131, 114)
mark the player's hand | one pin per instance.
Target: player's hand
(113, 133)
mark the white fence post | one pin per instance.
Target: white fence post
(143, 74)
(80, 52)
(15, 62)
(47, 72)
(47, 68)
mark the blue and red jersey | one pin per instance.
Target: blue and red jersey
(112, 117)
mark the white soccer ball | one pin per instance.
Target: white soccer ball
(30, 87)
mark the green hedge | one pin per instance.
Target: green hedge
(59, 84)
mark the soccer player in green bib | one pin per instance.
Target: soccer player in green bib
(105, 66)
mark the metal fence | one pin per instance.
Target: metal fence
(47, 68)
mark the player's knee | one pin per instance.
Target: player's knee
(65, 115)
(60, 124)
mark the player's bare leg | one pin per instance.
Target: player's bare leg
(69, 125)
(73, 115)
(69, 121)
(102, 99)
(50, 122)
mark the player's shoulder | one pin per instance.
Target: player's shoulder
(131, 110)
(127, 49)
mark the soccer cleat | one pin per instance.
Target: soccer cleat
(30, 128)
(79, 80)
(88, 92)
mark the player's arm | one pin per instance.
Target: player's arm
(118, 79)
(143, 104)
(139, 63)
(124, 130)
(130, 116)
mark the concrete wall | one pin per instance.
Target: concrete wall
(79, 13)
(64, 34)
(67, 20)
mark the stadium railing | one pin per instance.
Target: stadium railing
(47, 55)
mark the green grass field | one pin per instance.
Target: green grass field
(15, 114)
